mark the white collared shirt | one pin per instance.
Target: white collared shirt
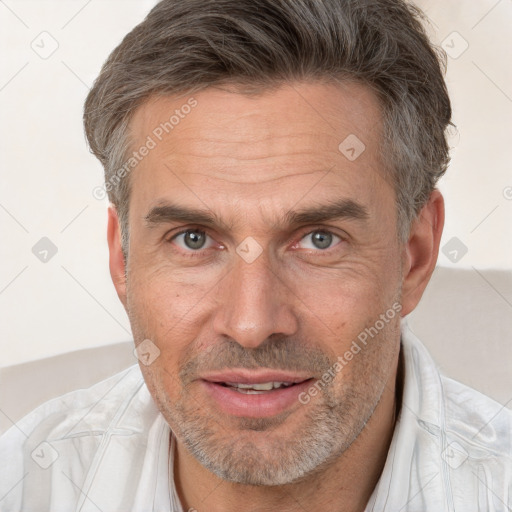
(108, 448)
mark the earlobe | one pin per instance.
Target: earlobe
(421, 251)
(116, 259)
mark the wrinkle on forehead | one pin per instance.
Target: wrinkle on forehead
(272, 149)
(310, 116)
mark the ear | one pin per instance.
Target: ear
(116, 259)
(421, 251)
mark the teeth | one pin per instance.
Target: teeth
(264, 386)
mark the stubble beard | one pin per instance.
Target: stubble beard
(268, 451)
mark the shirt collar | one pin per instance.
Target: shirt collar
(413, 461)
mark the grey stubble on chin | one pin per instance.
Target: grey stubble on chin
(259, 452)
(269, 451)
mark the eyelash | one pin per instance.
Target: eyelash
(190, 253)
(198, 253)
(321, 230)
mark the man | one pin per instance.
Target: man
(271, 167)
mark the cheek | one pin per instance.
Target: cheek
(343, 313)
(345, 298)
(368, 349)
(169, 299)
(170, 315)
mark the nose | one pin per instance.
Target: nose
(253, 304)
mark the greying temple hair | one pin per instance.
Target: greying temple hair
(185, 46)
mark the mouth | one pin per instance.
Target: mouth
(254, 394)
(255, 389)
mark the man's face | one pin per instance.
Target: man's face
(269, 284)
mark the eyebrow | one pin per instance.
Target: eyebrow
(342, 209)
(168, 212)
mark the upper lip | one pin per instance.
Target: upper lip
(242, 376)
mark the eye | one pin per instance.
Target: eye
(318, 239)
(192, 240)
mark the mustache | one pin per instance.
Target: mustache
(276, 353)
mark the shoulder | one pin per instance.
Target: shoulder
(476, 448)
(477, 420)
(64, 437)
(453, 406)
(85, 408)
(464, 434)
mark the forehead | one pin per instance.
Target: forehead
(265, 150)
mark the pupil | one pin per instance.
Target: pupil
(321, 239)
(194, 239)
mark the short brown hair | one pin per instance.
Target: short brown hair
(184, 46)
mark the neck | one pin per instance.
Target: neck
(345, 485)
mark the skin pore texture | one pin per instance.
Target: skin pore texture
(249, 162)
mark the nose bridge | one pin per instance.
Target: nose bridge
(253, 304)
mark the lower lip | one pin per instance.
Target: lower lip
(259, 405)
